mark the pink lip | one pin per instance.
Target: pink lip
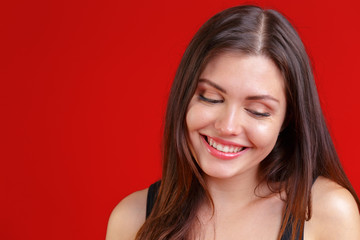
(222, 155)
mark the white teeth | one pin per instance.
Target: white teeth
(223, 148)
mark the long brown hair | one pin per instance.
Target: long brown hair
(304, 149)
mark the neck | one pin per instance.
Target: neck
(237, 191)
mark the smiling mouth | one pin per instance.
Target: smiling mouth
(222, 147)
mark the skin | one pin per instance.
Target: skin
(239, 116)
(233, 114)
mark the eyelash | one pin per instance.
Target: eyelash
(255, 113)
(258, 114)
(202, 98)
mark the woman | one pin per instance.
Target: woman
(247, 154)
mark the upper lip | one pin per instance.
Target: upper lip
(224, 142)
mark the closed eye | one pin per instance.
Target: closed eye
(209, 100)
(258, 114)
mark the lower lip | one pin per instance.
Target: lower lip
(222, 155)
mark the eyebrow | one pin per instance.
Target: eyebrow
(212, 84)
(262, 97)
(255, 97)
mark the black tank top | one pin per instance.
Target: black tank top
(153, 192)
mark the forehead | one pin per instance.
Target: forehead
(241, 73)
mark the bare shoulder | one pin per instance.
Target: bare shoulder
(335, 214)
(127, 217)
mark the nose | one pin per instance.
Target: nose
(229, 122)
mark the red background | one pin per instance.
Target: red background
(83, 89)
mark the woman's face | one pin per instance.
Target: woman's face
(236, 114)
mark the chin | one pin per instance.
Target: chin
(227, 172)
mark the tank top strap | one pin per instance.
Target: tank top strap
(288, 228)
(151, 197)
(288, 232)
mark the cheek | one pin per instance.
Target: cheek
(264, 135)
(198, 117)
(191, 119)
